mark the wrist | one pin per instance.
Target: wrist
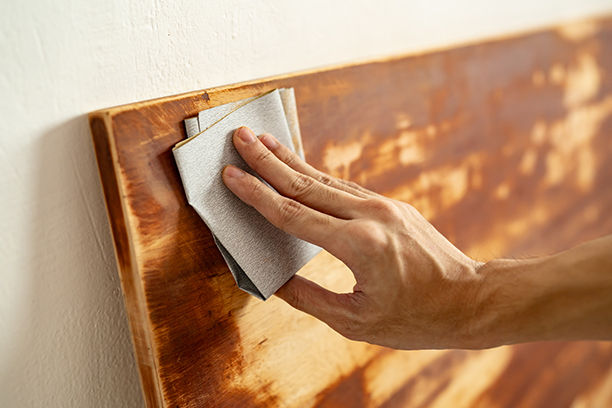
(565, 296)
(510, 295)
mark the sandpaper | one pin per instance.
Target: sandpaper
(260, 256)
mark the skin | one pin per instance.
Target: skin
(414, 289)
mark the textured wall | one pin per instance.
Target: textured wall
(64, 340)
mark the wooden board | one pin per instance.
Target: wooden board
(505, 146)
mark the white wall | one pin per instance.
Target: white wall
(64, 339)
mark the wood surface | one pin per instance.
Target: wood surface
(504, 145)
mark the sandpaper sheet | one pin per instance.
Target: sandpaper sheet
(260, 256)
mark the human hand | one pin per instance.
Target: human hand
(413, 290)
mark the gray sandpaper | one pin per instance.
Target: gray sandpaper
(260, 256)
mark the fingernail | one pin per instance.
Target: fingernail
(269, 141)
(233, 172)
(246, 135)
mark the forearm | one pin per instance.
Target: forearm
(567, 296)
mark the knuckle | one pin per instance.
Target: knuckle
(378, 237)
(301, 185)
(263, 155)
(325, 179)
(383, 209)
(359, 188)
(353, 185)
(373, 238)
(289, 158)
(288, 211)
(257, 191)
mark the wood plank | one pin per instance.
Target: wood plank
(504, 145)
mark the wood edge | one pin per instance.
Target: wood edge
(558, 26)
(106, 156)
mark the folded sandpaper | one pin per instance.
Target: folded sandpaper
(260, 256)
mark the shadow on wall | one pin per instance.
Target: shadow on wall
(73, 341)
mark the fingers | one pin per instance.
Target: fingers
(284, 213)
(335, 309)
(296, 163)
(356, 188)
(291, 183)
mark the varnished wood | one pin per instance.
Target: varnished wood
(505, 146)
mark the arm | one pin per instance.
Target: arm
(566, 296)
(414, 289)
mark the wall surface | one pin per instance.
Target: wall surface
(64, 339)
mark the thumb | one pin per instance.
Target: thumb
(330, 307)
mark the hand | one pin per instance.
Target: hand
(414, 288)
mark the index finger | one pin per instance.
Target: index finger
(291, 183)
(286, 214)
(294, 161)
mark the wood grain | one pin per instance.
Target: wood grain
(504, 145)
